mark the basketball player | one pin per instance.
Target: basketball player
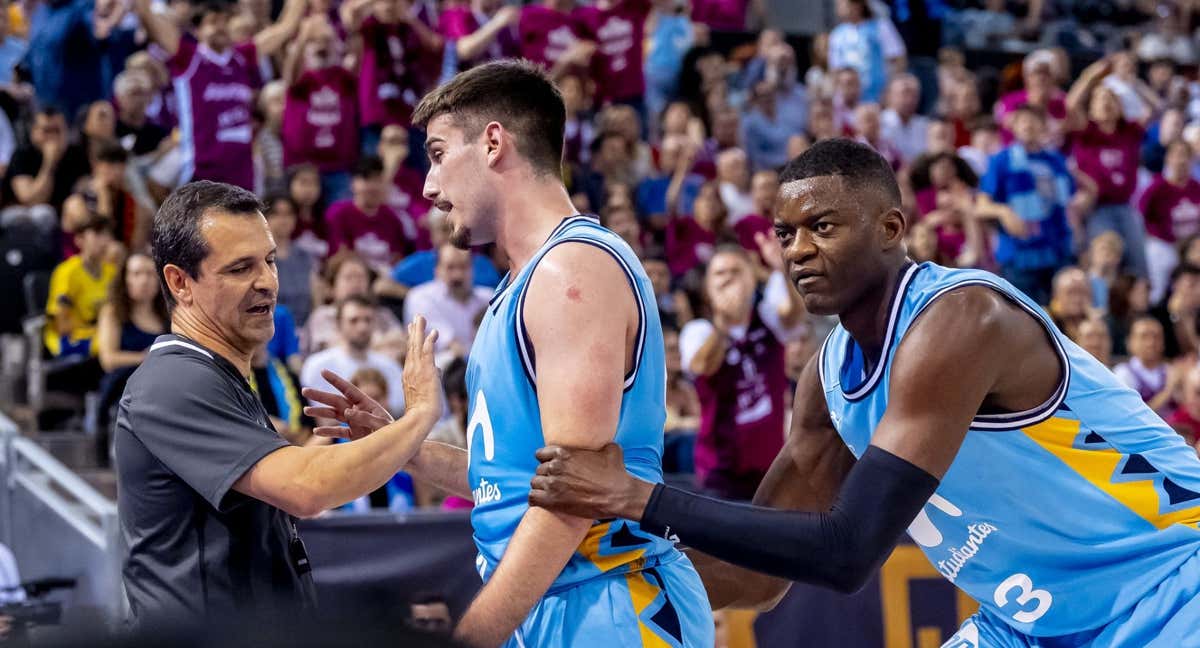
(570, 351)
(947, 403)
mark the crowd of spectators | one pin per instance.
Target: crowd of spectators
(1077, 181)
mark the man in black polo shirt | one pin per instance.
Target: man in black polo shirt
(208, 491)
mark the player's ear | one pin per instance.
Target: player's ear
(493, 138)
(892, 227)
(178, 283)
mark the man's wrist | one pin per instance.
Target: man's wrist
(636, 499)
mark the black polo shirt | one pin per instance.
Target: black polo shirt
(188, 427)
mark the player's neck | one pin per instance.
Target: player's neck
(528, 217)
(866, 320)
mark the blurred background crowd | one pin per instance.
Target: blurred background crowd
(1052, 142)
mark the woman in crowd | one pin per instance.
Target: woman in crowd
(346, 274)
(297, 269)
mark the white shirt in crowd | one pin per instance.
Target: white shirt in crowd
(338, 360)
(454, 321)
(909, 138)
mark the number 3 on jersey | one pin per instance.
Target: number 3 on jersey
(481, 418)
(1025, 594)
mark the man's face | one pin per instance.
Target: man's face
(848, 87)
(763, 190)
(1072, 294)
(369, 191)
(733, 168)
(46, 128)
(214, 30)
(454, 269)
(93, 243)
(904, 96)
(659, 275)
(136, 96)
(1146, 341)
(431, 617)
(236, 288)
(729, 275)
(458, 182)
(940, 137)
(833, 239)
(1094, 338)
(1029, 130)
(356, 325)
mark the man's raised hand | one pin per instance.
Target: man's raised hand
(350, 406)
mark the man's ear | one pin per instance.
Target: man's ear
(496, 142)
(892, 227)
(179, 284)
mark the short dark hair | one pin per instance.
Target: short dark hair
(201, 8)
(1184, 268)
(1029, 109)
(175, 236)
(428, 597)
(94, 222)
(355, 300)
(860, 165)
(112, 152)
(49, 112)
(516, 93)
(368, 166)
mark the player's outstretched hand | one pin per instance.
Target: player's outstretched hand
(349, 406)
(422, 379)
(590, 484)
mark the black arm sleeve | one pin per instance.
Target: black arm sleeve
(839, 549)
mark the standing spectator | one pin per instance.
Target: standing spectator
(1104, 266)
(268, 142)
(356, 325)
(617, 28)
(1185, 419)
(1179, 313)
(1147, 372)
(45, 172)
(393, 40)
(764, 132)
(736, 360)
(139, 136)
(733, 179)
(670, 36)
(320, 116)
(552, 35)
(304, 188)
(62, 59)
(727, 15)
(1093, 336)
(1159, 136)
(419, 267)
(900, 124)
(78, 288)
(297, 269)
(868, 130)
(675, 156)
(481, 29)
(1070, 299)
(451, 303)
(216, 80)
(1105, 147)
(1171, 208)
(1035, 183)
(404, 192)
(1040, 92)
(869, 45)
(1128, 299)
(365, 223)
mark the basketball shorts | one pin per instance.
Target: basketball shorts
(664, 606)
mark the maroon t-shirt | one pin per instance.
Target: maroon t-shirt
(406, 199)
(688, 245)
(215, 94)
(1110, 159)
(379, 239)
(1171, 212)
(742, 413)
(320, 120)
(618, 33)
(721, 15)
(546, 34)
(388, 85)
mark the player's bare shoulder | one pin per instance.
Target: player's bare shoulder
(578, 278)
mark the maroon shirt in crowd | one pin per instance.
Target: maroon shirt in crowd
(1110, 159)
(387, 89)
(320, 120)
(546, 34)
(618, 33)
(1171, 212)
(379, 238)
(215, 93)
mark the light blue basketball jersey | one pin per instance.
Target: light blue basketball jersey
(1058, 519)
(505, 427)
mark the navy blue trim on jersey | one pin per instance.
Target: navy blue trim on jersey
(865, 387)
(525, 346)
(1016, 420)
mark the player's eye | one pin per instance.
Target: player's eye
(823, 227)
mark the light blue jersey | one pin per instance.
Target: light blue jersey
(1057, 520)
(504, 431)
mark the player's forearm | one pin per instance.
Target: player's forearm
(443, 465)
(536, 555)
(336, 474)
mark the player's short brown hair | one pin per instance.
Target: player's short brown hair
(515, 93)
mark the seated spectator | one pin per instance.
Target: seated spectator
(346, 275)
(736, 359)
(900, 124)
(733, 181)
(356, 325)
(404, 193)
(1040, 92)
(1128, 299)
(822, 121)
(296, 268)
(78, 288)
(1179, 312)
(135, 131)
(579, 128)
(365, 224)
(268, 143)
(847, 93)
(320, 115)
(399, 493)
(1092, 335)
(304, 188)
(430, 613)
(1070, 299)
(451, 303)
(45, 171)
(1103, 265)
(451, 430)
(1185, 418)
(867, 43)
(623, 222)
(764, 132)
(106, 193)
(691, 240)
(1036, 184)
(1159, 136)
(985, 142)
(676, 155)
(627, 122)
(944, 186)
(963, 108)
(673, 307)
(134, 315)
(1171, 209)
(1147, 371)
(418, 267)
(939, 138)
(867, 130)
(817, 79)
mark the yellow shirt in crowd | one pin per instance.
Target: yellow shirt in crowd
(87, 294)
